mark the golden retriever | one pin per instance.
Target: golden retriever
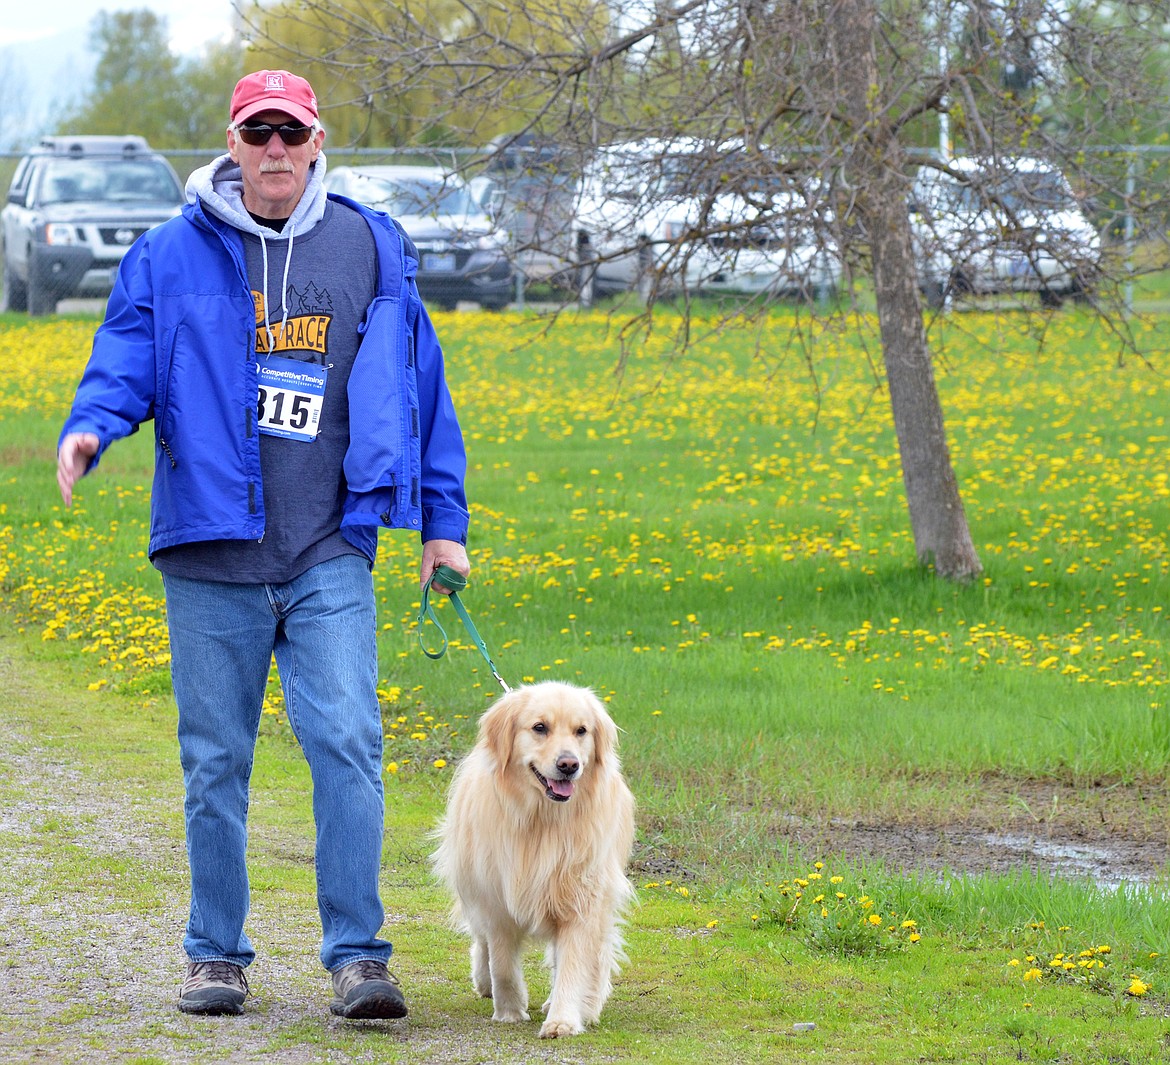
(535, 842)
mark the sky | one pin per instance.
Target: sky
(45, 60)
(191, 22)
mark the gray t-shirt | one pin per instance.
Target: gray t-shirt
(332, 278)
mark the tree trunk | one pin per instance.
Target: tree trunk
(937, 518)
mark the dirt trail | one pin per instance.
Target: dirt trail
(93, 895)
(90, 919)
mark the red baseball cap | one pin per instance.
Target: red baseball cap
(274, 90)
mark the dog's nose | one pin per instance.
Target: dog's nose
(567, 765)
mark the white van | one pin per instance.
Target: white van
(650, 214)
(1012, 224)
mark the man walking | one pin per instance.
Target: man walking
(274, 335)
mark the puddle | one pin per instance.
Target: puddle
(1097, 862)
(967, 850)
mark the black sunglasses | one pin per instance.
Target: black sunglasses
(259, 133)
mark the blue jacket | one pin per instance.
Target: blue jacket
(178, 346)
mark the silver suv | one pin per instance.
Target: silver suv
(75, 206)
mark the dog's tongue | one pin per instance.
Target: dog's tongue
(563, 788)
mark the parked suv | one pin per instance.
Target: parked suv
(1011, 224)
(462, 253)
(75, 206)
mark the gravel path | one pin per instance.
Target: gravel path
(91, 915)
(92, 907)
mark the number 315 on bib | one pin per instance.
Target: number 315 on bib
(290, 398)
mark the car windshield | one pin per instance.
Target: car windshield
(415, 196)
(1020, 191)
(1027, 191)
(632, 176)
(123, 180)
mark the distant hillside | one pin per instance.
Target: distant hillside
(38, 80)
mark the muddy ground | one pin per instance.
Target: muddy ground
(1110, 832)
(1107, 831)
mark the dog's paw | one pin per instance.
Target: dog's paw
(510, 1015)
(559, 1029)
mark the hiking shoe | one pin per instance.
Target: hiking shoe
(213, 987)
(365, 990)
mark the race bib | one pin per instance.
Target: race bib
(290, 398)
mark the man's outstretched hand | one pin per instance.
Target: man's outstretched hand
(73, 458)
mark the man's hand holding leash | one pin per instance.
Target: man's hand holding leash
(438, 553)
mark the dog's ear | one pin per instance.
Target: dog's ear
(605, 734)
(498, 725)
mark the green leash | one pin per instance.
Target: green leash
(454, 580)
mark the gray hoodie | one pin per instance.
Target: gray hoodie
(219, 187)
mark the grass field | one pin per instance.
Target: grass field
(717, 542)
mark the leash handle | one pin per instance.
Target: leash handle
(454, 580)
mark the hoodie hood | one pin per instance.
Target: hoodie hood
(219, 189)
(219, 186)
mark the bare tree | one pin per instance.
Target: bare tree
(818, 111)
(878, 158)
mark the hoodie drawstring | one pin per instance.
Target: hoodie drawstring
(283, 287)
(284, 280)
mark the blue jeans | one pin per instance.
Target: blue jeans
(322, 629)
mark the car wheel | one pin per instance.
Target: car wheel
(15, 291)
(935, 293)
(41, 301)
(1050, 299)
(1080, 290)
(961, 282)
